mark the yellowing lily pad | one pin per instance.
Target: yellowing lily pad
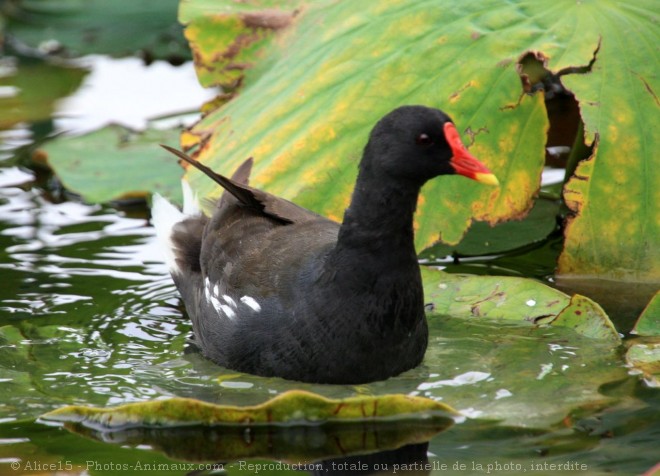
(227, 41)
(313, 92)
(310, 91)
(194, 430)
(615, 194)
(292, 407)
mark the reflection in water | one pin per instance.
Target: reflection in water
(85, 303)
(110, 92)
(340, 449)
(467, 378)
(410, 460)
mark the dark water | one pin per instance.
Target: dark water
(89, 316)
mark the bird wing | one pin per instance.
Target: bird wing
(279, 209)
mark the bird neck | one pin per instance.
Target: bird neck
(379, 219)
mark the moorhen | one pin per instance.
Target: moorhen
(274, 289)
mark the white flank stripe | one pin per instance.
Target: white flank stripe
(251, 302)
(228, 310)
(207, 289)
(229, 301)
(216, 304)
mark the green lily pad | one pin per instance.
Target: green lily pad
(516, 300)
(292, 407)
(648, 323)
(115, 162)
(117, 28)
(492, 297)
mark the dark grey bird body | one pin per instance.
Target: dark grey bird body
(277, 290)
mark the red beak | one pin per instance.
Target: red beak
(463, 162)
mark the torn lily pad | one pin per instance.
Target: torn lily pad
(227, 40)
(307, 101)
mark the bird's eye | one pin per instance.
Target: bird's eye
(423, 139)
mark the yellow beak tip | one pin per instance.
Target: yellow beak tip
(488, 179)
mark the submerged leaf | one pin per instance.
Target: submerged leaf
(512, 345)
(518, 373)
(292, 407)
